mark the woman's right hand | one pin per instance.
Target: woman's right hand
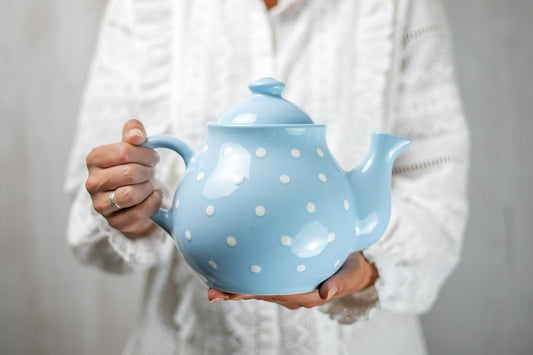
(127, 169)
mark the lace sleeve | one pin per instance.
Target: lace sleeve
(429, 208)
(112, 96)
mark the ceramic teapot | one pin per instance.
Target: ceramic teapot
(264, 208)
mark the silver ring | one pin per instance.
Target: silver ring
(114, 203)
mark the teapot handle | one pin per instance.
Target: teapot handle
(163, 217)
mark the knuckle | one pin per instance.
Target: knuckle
(92, 184)
(98, 206)
(123, 153)
(128, 194)
(129, 173)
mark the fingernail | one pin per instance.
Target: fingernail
(217, 299)
(156, 158)
(136, 132)
(332, 291)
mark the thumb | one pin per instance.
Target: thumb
(347, 280)
(134, 132)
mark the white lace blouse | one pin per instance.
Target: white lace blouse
(355, 65)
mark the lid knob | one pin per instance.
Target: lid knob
(267, 86)
(264, 107)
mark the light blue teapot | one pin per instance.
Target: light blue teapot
(264, 208)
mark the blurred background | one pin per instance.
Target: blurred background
(50, 304)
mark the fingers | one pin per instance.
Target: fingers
(294, 301)
(131, 195)
(104, 180)
(135, 218)
(349, 279)
(125, 196)
(128, 170)
(355, 275)
(217, 295)
(214, 295)
(134, 132)
(106, 156)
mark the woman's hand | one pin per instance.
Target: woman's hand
(126, 169)
(355, 275)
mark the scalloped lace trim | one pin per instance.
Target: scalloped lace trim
(416, 168)
(352, 308)
(139, 253)
(422, 31)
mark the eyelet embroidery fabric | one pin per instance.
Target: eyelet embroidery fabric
(158, 59)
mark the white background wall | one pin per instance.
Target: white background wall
(49, 304)
(487, 305)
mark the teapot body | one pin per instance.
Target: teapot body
(264, 209)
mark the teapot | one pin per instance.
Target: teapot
(264, 208)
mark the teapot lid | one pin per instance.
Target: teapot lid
(266, 106)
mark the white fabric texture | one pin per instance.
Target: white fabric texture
(354, 65)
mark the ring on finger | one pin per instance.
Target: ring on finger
(114, 202)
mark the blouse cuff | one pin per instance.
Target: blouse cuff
(352, 308)
(391, 276)
(95, 242)
(139, 253)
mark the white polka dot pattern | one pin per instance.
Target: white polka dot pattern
(312, 178)
(260, 211)
(295, 153)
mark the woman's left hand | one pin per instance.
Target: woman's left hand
(355, 275)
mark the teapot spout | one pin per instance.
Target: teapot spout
(371, 185)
